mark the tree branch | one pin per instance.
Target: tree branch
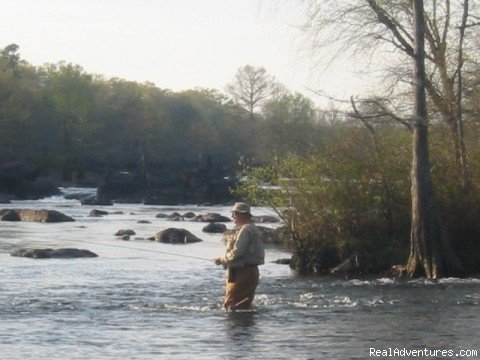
(386, 19)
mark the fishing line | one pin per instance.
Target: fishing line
(140, 249)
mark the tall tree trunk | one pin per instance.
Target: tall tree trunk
(460, 128)
(431, 254)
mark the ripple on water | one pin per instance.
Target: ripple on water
(133, 304)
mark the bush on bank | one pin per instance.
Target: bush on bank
(347, 206)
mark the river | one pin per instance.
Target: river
(145, 300)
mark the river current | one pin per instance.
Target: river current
(146, 300)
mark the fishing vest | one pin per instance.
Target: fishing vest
(245, 248)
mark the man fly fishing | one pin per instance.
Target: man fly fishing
(243, 254)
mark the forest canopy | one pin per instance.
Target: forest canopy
(60, 117)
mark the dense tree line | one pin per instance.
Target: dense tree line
(63, 117)
(73, 124)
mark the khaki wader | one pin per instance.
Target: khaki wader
(240, 287)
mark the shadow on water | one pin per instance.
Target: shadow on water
(241, 333)
(240, 325)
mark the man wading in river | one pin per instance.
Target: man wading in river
(243, 254)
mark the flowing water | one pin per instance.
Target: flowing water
(145, 300)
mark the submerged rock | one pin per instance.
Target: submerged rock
(176, 236)
(64, 253)
(34, 215)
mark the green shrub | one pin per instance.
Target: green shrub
(351, 201)
(344, 202)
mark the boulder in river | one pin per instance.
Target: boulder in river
(9, 215)
(212, 217)
(189, 215)
(175, 217)
(96, 213)
(37, 215)
(127, 232)
(215, 228)
(176, 236)
(64, 253)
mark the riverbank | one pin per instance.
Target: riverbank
(168, 185)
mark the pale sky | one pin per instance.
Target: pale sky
(176, 44)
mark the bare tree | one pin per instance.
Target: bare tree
(430, 251)
(251, 87)
(387, 28)
(402, 26)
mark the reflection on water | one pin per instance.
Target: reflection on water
(137, 303)
(240, 322)
(242, 334)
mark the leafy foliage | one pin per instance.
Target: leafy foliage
(349, 203)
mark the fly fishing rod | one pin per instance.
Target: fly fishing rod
(140, 249)
(233, 308)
